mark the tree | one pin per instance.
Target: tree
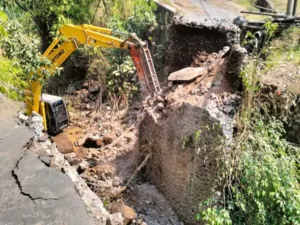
(49, 15)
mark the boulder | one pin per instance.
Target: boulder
(127, 212)
(71, 90)
(187, 74)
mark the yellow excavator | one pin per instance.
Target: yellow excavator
(52, 108)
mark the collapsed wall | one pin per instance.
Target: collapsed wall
(188, 38)
(186, 128)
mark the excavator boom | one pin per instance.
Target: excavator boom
(75, 35)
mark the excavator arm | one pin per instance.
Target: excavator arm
(74, 36)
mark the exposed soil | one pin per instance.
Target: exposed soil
(281, 86)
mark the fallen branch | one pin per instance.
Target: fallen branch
(141, 166)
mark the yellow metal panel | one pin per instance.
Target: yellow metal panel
(98, 29)
(43, 114)
(50, 48)
(36, 88)
(94, 38)
(60, 54)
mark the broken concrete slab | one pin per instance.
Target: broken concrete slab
(27, 201)
(35, 122)
(187, 74)
(41, 182)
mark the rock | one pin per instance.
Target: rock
(160, 99)
(115, 219)
(127, 212)
(117, 182)
(35, 122)
(43, 138)
(78, 85)
(22, 117)
(160, 106)
(86, 100)
(94, 86)
(96, 141)
(85, 85)
(187, 74)
(82, 167)
(139, 221)
(224, 52)
(108, 139)
(266, 5)
(37, 148)
(147, 202)
(84, 94)
(71, 90)
(81, 141)
(72, 158)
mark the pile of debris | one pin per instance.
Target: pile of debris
(84, 94)
(103, 152)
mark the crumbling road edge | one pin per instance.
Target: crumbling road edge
(94, 205)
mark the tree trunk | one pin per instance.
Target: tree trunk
(46, 38)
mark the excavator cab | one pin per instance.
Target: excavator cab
(56, 113)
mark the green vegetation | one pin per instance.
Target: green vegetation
(286, 48)
(27, 28)
(10, 75)
(262, 169)
(128, 16)
(49, 15)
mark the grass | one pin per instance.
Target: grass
(286, 48)
(10, 76)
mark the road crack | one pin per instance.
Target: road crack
(15, 176)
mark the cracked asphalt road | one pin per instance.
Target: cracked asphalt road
(30, 192)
